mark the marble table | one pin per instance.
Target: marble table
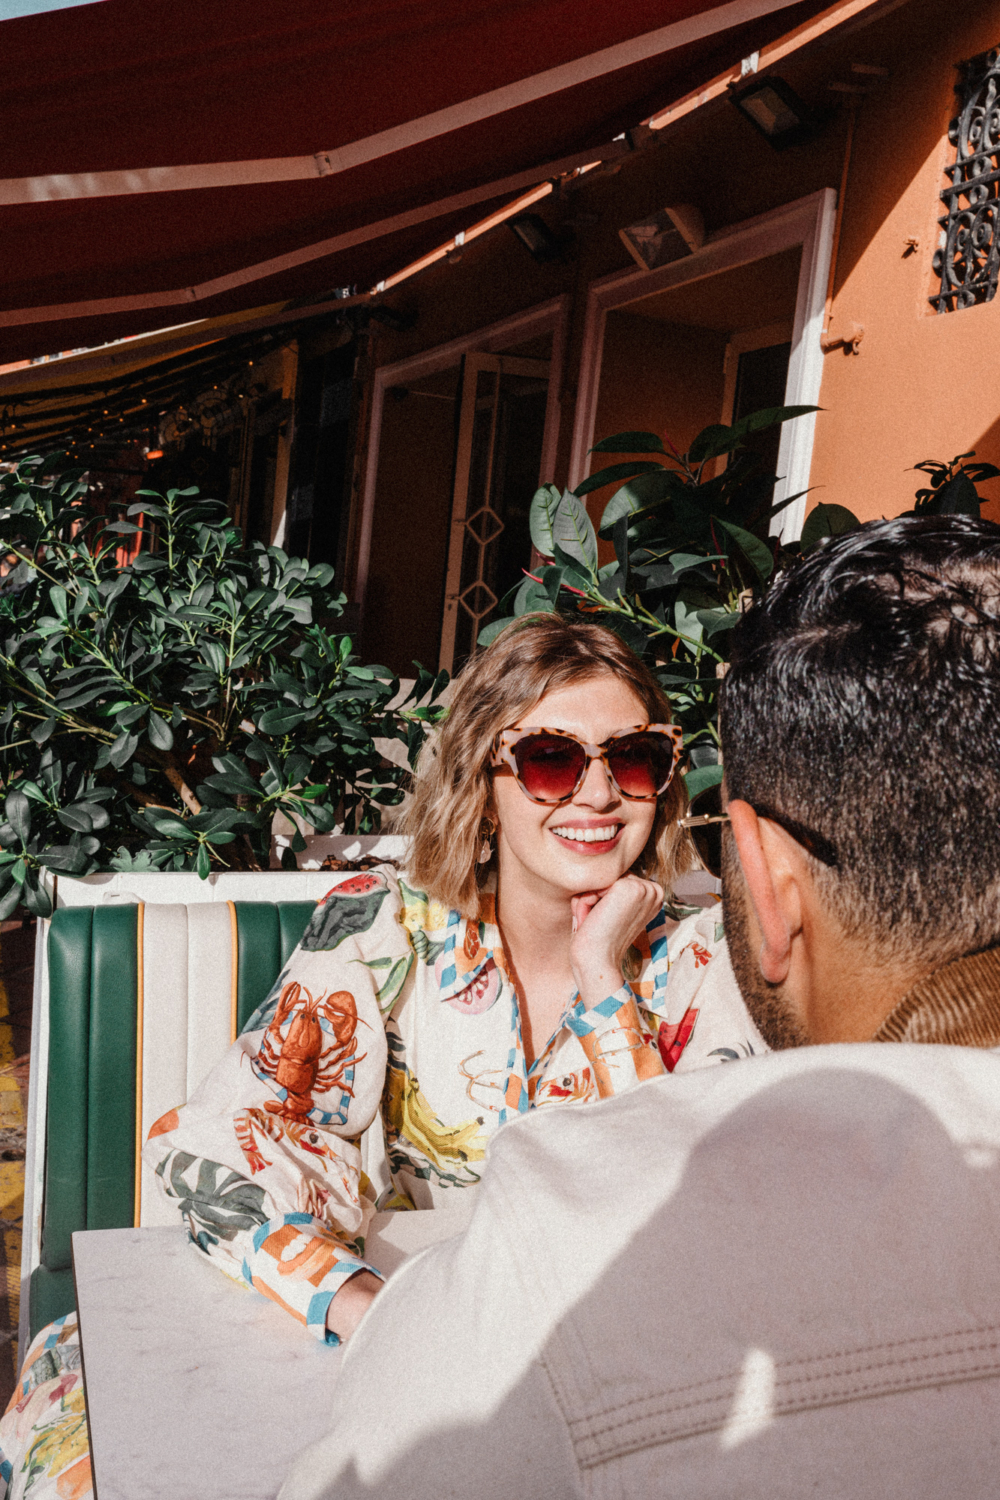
(195, 1385)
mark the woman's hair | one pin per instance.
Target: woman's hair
(452, 789)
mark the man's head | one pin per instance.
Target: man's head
(862, 709)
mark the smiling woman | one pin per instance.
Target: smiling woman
(440, 1003)
(557, 766)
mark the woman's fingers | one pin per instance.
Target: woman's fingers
(581, 906)
(613, 920)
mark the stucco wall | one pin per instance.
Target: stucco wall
(923, 385)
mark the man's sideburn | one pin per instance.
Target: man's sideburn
(774, 1018)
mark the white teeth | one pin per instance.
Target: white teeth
(587, 835)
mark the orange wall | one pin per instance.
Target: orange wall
(923, 385)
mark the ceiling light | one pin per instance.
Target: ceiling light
(775, 109)
(665, 236)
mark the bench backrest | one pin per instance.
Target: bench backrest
(134, 1002)
(142, 1001)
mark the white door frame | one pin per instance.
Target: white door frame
(547, 317)
(807, 222)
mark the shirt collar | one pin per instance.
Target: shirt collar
(470, 944)
(958, 1004)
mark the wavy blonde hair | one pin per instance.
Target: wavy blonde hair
(452, 794)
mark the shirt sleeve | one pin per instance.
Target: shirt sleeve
(614, 1040)
(263, 1162)
(296, 1259)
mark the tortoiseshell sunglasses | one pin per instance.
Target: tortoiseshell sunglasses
(550, 764)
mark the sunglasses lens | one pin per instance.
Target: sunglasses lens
(707, 839)
(641, 763)
(549, 766)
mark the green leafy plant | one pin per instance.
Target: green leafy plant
(168, 690)
(692, 551)
(952, 489)
(691, 547)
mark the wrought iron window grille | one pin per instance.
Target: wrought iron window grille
(968, 258)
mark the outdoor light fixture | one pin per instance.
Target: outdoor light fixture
(665, 236)
(536, 236)
(774, 108)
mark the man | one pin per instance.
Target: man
(781, 1278)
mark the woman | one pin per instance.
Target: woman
(490, 980)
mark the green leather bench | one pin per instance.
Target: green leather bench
(141, 982)
(95, 1066)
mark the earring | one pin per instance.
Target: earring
(488, 828)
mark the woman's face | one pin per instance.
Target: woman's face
(545, 845)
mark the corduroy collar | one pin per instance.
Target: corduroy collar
(958, 1004)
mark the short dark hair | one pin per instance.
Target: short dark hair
(863, 701)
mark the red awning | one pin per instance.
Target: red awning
(175, 159)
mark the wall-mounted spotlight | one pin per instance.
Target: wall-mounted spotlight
(536, 237)
(665, 236)
(774, 108)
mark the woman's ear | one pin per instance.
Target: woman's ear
(767, 884)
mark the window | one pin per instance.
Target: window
(968, 257)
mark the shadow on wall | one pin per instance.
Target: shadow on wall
(830, 1192)
(987, 447)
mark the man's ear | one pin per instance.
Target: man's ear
(767, 876)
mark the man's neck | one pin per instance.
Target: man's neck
(847, 990)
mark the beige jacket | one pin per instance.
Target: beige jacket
(771, 1281)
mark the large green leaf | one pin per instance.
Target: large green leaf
(717, 439)
(756, 552)
(541, 514)
(573, 532)
(18, 814)
(637, 494)
(700, 777)
(614, 473)
(827, 520)
(489, 632)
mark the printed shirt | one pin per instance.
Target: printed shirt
(394, 1007)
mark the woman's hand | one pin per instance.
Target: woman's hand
(604, 924)
(351, 1303)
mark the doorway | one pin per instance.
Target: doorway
(501, 426)
(459, 437)
(663, 349)
(711, 351)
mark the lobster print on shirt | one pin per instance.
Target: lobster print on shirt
(311, 1044)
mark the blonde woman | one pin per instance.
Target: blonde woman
(520, 962)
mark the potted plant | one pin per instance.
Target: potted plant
(168, 690)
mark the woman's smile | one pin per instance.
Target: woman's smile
(588, 838)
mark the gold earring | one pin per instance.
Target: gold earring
(487, 828)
